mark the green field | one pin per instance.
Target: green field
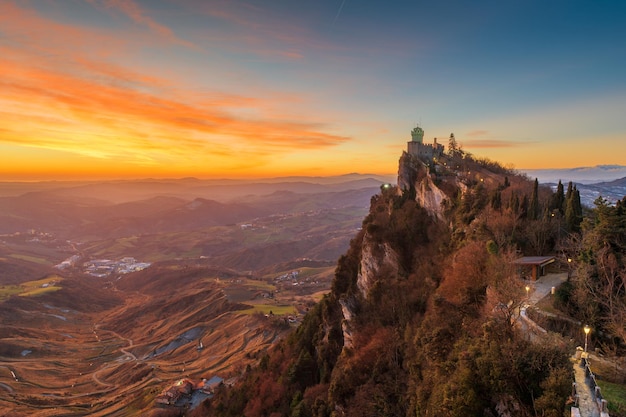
(279, 310)
(33, 259)
(304, 272)
(615, 394)
(31, 288)
(244, 289)
(8, 290)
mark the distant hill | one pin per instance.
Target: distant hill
(612, 191)
(190, 188)
(581, 175)
(105, 210)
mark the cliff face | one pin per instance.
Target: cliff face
(376, 257)
(404, 330)
(414, 176)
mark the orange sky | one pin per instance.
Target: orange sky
(123, 88)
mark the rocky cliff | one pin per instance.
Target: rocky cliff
(407, 328)
(414, 177)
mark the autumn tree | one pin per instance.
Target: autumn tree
(505, 291)
(602, 268)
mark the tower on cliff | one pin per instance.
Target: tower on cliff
(418, 148)
(417, 134)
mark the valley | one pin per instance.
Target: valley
(106, 314)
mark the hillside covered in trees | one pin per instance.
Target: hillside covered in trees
(421, 318)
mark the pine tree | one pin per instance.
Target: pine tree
(573, 210)
(558, 198)
(523, 209)
(570, 188)
(514, 203)
(533, 208)
(452, 145)
(496, 200)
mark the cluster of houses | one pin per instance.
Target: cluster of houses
(293, 275)
(68, 263)
(181, 392)
(105, 267)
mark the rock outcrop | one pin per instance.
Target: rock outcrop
(414, 176)
(374, 258)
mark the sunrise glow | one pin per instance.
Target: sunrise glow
(129, 88)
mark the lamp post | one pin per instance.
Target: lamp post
(586, 329)
(569, 267)
(527, 290)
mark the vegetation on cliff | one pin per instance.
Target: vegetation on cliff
(420, 318)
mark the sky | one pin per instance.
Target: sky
(246, 89)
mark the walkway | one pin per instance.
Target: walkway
(543, 286)
(586, 403)
(539, 289)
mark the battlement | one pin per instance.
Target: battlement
(418, 148)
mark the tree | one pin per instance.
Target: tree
(452, 145)
(570, 189)
(505, 293)
(533, 208)
(540, 234)
(573, 210)
(496, 200)
(558, 199)
(601, 284)
(523, 207)
(555, 387)
(454, 149)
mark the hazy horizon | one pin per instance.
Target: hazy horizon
(583, 174)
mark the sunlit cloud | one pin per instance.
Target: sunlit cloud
(67, 100)
(481, 139)
(495, 143)
(479, 133)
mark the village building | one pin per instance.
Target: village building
(173, 393)
(533, 267)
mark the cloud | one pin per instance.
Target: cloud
(493, 143)
(479, 139)
(61, 96)
(261, 31)
(132, 10)
(474, 133)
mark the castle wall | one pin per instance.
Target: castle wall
(424, 151)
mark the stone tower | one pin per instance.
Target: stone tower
(418, 148)
(417, 134)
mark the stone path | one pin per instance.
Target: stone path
(543, 286)
(586, 403)
(539, 289)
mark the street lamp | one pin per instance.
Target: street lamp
(527, 289)
(569, 267)
(586, 329)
